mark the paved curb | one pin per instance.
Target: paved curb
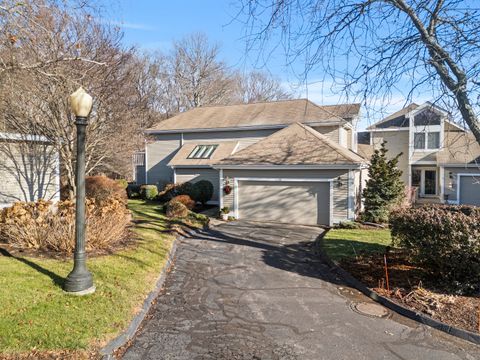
(107, 351)
(419, 317)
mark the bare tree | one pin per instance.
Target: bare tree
(34, 98)
(199, 75)
(259, 86)
(377, 46)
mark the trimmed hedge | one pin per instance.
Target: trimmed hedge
(185, 200)
(445, 240)
(175, 209)
(205, 191)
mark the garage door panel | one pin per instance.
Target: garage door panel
(470, 190)
(290, 202)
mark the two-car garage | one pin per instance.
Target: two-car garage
(286, 201)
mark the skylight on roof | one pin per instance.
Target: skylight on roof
(202, 152)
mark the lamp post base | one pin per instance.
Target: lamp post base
(88, 291)
(79, 282)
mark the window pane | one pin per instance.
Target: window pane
(433, 140)
(419, 141)
(199, 155)
(416, 177)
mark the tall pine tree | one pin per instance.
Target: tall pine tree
(384, 186)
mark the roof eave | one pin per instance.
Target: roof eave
(287, 167)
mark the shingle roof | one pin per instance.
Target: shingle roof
(295, 145)
(257, 114)
(224, 149)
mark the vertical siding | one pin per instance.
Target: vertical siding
(25, 177)
(340, 198)
(194, 175)
(158, 154)
(397, 142)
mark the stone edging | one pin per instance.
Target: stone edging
(402, 310)
(114, 344)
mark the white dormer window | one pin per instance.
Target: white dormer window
(426, 131)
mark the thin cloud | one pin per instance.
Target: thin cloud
(129, 25)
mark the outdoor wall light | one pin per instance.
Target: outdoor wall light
(80, 280)
(339, 182)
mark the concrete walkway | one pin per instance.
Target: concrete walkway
(257, 291)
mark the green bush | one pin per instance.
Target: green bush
(148, 192)
(445, 240)
(133, 191)
(347, 225)
(123, 183)
(175, 209)
(189, 189)
(205, 191)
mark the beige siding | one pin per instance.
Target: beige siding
(343, 137)
(194, 175)
(349, 139)
(158, 154)
(332, 132)
(450, 180)
(25, 177)
(397, 142)
(423, 156)
(340, 194)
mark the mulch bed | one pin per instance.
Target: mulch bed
(411, 286)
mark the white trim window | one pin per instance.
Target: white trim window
(425, 180)
(426, 140)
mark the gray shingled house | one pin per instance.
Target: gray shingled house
(287, 161)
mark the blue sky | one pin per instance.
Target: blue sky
(153, 25)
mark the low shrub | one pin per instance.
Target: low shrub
(175, 209)
(46, 226)
(148, 192)
(185, 200)
(445, 240)
(347, 225)
(189, 189)
(133, 191)
(205, 191)
(100, 188)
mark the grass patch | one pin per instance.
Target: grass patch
(344, 243)
(35, 313)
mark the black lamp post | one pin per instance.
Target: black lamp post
(80, 280)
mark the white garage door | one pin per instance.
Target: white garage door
(470, 190)
(287, 202)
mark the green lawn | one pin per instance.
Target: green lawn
(340, 243)
(36, 314)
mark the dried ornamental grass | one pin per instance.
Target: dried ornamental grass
(46, 226)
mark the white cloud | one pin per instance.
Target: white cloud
(129, 25)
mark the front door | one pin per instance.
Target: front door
(430, 183)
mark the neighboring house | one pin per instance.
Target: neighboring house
(29, 169)
(286, 161)
(440, 158)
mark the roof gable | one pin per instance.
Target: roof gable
(295, 145)
(258, 114)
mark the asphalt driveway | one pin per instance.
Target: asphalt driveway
(257, 291)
